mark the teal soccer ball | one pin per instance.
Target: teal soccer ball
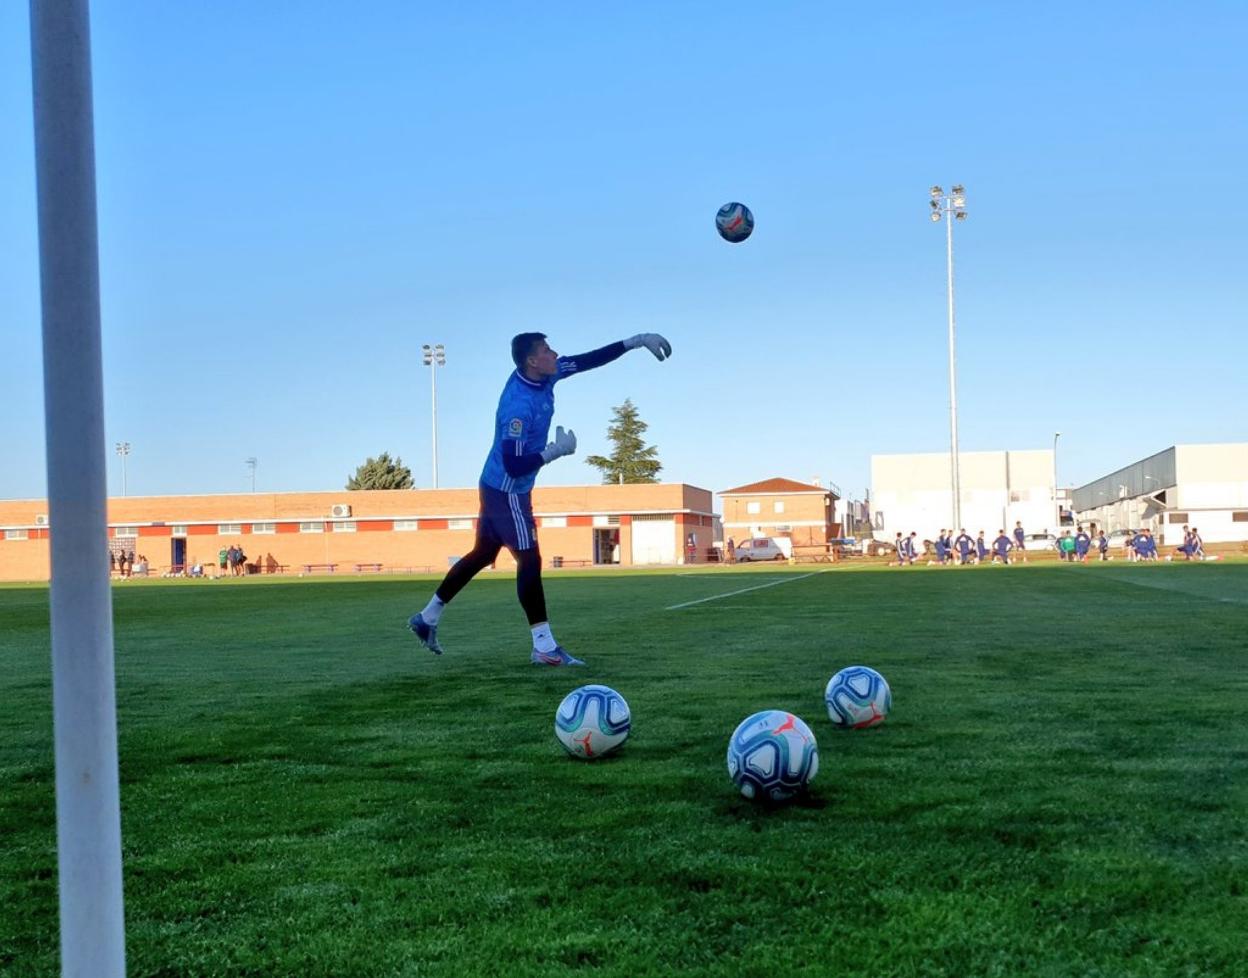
(772, 756)
(592, 721)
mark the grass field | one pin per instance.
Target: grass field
(1060, 791)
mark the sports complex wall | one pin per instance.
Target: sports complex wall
(915, 493)
(1205, 486)
(402, 530)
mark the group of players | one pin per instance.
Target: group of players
(964, 549)
(1076, 548)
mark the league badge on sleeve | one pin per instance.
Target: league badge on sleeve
(515, 428)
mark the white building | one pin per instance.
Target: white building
(915, 493)
(1205, 486)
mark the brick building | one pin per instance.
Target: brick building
(416, 530)
(792, 511)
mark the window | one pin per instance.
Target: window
(126, 531)
(406, 526)
(459, 524)
(778, 506)
(223, 529)
(263, 527)
(613, 520)
(554, 521)
(16, 535)
(312, 526)
(178, 530)
(1177, 517)
(347, 526)
(1240, 517)
(754, 507)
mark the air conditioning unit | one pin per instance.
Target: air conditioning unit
(340, 510)
(41, 519)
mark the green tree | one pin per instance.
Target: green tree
(631, 461)
(381, 473)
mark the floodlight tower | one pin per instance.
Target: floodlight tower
(1056, 505)
(952, 207)
(434, 357)
(251, 463)
(123, 449)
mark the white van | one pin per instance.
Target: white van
(760, 548)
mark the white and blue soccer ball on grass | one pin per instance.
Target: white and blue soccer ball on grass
(772, 756)
(857, 697)
(592, 721)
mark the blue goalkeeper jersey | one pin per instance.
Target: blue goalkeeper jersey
(522, 421)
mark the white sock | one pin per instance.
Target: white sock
(543, 640)
(433, 610)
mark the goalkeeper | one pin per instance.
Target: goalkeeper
(521, 427)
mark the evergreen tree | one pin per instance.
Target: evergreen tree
(631, 461)
(381, 473)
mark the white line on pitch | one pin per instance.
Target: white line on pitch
(756, 587)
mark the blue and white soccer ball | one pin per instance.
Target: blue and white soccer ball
(592, 721)
(734, 222)
(772, 756)
(857, 697)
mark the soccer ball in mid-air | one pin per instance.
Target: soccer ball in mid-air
(857, 697)
(734, 222)
(772, 756)
(592, 721)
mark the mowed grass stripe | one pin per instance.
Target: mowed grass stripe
(305, 791)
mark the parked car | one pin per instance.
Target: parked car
(1040, 541)
(759, 548)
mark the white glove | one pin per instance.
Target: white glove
(564, 444)
(652, 342)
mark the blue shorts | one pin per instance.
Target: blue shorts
(506, 519)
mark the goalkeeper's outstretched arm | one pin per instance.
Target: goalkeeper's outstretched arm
(581, 362)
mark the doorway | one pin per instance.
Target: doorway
(606, 546)
(177, 555)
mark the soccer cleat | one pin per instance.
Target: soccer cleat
(556, 658)
(428, 634)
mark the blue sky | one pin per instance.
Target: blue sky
(293, 197)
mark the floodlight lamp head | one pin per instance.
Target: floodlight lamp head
(960, 215)
(958, 190)
(959, 201)
(937, 192)
(935, 215)
(934, 204)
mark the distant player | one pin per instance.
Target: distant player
(942, 549)
(981, 548)
(1021, 540)
(1150, 545)
(521, 426)
(1001, 547)
(1083, 543)
(912, 546)
(1198, 545)
(1102, 546)
(964, 543)
(900, 545)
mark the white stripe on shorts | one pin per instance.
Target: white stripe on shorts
(517, 518)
